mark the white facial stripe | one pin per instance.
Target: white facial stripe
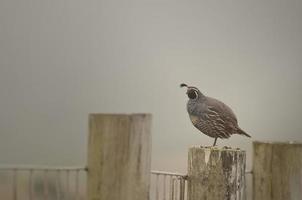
(196, 93)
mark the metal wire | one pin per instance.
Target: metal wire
(40, 167)
(168, 185)
(67, 184)
(164, 187)
(58, 185)
(45, 180)
(176, 189)
(175, 184)
(15, 179)
(182, 189)
(30, 191)
(167, 173)
(171, 188)
(77, 184)
(45, 184)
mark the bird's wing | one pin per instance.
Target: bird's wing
(222, 117)
(222, 109)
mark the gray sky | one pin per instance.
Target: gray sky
(61, 60)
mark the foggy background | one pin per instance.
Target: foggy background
(61, 60)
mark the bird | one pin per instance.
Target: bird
(211, 116)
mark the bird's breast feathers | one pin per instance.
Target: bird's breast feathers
(194, 119)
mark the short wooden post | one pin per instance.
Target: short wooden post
(119, 157)
(216, 174)
(277, 171)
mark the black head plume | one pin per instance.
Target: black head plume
(183, 85)
(192, 92)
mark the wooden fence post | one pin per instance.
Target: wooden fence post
(119, 157)
(216, 174)
(277, 171)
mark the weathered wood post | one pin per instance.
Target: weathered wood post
(277, 171)
(119, 157)
(216, 174)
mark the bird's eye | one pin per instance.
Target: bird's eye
(192, 94)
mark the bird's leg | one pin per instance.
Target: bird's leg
(215, 141)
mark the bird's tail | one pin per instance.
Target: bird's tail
(241, 132)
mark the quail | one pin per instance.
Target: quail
(211, 116)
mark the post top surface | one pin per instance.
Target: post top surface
(278, 142)
(215, 148)
(120, 114)
(101, 116)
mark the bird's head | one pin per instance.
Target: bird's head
(192, 92)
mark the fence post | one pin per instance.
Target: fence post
(277, 171)
(119, 157)
(216, 174)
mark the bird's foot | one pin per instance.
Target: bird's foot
(208, 147)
